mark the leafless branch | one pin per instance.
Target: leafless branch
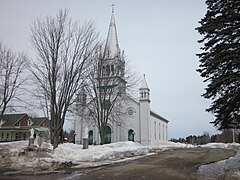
(12, 67)
(63, 49)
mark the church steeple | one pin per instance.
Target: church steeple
(113, 65)
(112, 49)
(144, 91)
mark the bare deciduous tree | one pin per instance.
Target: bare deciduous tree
(63, 50)
(107, 87)
(11, 70)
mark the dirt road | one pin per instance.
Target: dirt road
(166, 165)
(169, 165)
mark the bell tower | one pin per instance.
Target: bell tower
(113, 64)
(144, 101)
(144, 91)
(80, 106)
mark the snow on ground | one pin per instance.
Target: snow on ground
(225, 169)
(172, 145)
(15, 155)
(235, 146)
(120, 150)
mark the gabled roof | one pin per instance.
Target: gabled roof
(38, 121)
(11, 119)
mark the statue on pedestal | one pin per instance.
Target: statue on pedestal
(31, 132)
(31, 139)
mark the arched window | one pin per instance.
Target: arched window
(112, 69)
(103, 71)
(108, 134)
(131, 135)
(90, 137)
(29, 122)
(107, 70)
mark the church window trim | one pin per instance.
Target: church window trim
(90, 137)
(131, 135)
(108, 135)
(108, 70)
(103, 71)
(112, 69)
(130, 111)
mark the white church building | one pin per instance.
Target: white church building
(138, 122)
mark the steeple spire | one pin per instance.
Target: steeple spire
(112, 49)
(113, 7)
(144, 83)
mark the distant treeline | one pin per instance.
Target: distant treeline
(225, 137)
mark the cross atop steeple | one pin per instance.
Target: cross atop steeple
(112, 49)
(113, 7)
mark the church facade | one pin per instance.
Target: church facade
(137, 121)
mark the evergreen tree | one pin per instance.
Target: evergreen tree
(220, 60)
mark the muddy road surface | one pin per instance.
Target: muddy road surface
(166, 165)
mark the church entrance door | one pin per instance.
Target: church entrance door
(108, 135)
(131, 135)
(90, 137)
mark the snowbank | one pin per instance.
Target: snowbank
(16, 155)
(171, 145)
(235, 146)
(225, 169)
(75, 153)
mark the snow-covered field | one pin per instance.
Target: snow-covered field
(16, 155)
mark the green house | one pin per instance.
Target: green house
(15, 127)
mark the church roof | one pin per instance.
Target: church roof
(112, 49)
(144, 83)
(158, 116)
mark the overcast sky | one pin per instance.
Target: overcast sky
(158, 37)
